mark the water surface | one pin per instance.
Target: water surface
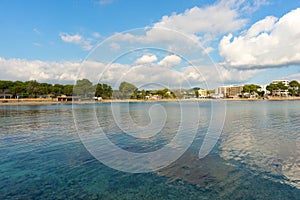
(256, 157)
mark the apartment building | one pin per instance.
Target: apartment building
(283, 93)
(230, 91)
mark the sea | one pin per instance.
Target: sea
(116, 150)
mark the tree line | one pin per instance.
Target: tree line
(34, 89)
(86, 89)
(252, 89)
(130, 91)
(83, 88)
(293, 88)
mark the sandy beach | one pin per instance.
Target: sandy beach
(40, 101)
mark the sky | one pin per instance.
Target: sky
(193, 43)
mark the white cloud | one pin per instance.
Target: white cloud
(234, 76)
(50, 71)
(76, 39)
(263, 26)
(170, 61)
(217, 75)
(113, 74)
(142, 75)
(270, 42)
(21, 69)
(146, 59)
(207, 23)
(213, 19)
(202, 25)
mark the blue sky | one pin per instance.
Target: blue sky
(48, 40)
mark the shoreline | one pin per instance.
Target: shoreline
(34, 102)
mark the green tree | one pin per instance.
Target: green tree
(134, 95)
(32, 88)
(165, 93)
(261, 93)
(250, 88)
(57, 89)
(281, 86)
(107, 91)
(143, 94)
(99, 90)
(272, 88)
(294, 87)
(292, 91)
(45, 88)
(68, 90)
(197, 93)
(294, 84)
(104, 91)
(4, 86)
(18, 89)
(127, 89)
(84, 88)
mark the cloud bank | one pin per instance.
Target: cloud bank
(21, 69)
(66, 72)
(271, 42)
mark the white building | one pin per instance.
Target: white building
(283, 93)
(285, 82)
(263, 88)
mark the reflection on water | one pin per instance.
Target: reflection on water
(257, 156)
(265, 136)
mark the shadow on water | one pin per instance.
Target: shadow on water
(225, 180)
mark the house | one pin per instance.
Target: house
(155, 97)
(217, 96)
(6, 96)
(202, 93)
(64, 98)
(251, 95)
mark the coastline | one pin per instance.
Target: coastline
(38, 101)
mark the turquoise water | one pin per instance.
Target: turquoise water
(256, 157)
